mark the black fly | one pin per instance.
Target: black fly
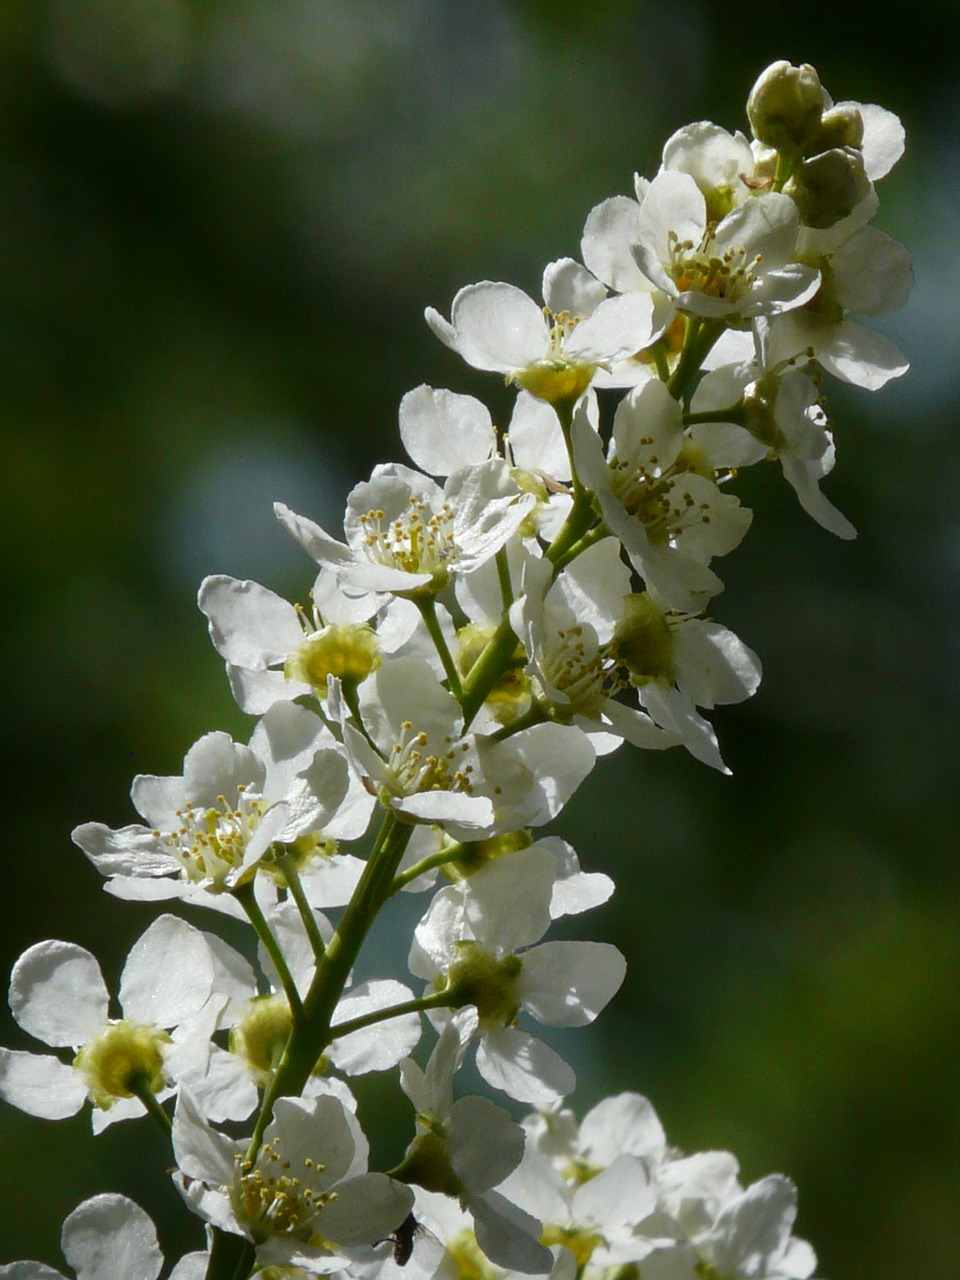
(402, 1239)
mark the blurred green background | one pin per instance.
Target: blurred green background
(219, 226)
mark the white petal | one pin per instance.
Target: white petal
(202, 1153)
(40, 1085)
(524, 1067)
(625, 1123)
(249, 625)
(507, 902)
(620, 327)
(131, 851)
(863, 357)
(110, 1236)
(508, 1236)
(443, 431)
(566, 984)
(366, 1209)
(485, 1145)
(754, 1230)
(609, 234)
(567, 286)
(621, 1196)
(498, 327)
(168, 974)
(883, 139)
(57, 994)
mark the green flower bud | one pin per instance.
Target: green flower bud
(829, 186)
(839, 127)
(785, 106)
(644, 642)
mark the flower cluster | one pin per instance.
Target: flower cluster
(522, 600)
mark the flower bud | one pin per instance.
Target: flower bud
(785, 106)
(644, 642)
(829, 186)
(839, 127)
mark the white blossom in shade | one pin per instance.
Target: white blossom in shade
(625, 1124)
(275, 651)
(779, 414)
(109, 1237)
(863, 271)
(210, 828)
(466, 1148)
(744, 265)
(566, 627)
(404, 532)
(671, 517)
(749, 1239)
(552, 352)
(477, 940)
(717, 161)
(678, 663)
(596, 1219)
(173, 978)
(305, 1200)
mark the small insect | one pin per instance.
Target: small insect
(402, 1239)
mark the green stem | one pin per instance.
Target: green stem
(700, 337)
(534, 715)
(245, 895)
(312, 1033)
(581, 517)
(503, 575)
(596, 534)
(495, 659)
(428, 611)
(154, 1109)
(734, 414)
(231, 1257)
(288, 865)
(449, 853)
(439, 1000)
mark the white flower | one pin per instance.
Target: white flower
(596, 1219)
(473, 1143)
(750, 1239)
(175, 979)
(275, 651)
(554, 352)
(306, 1199)
(671, 518)
(678, 663)
(108, 1237)
(566, 628)
(444, 432)
(210, 828)
(782, 417)
(863, 271)
(477, 940)
(742, 266)
(405, 533)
